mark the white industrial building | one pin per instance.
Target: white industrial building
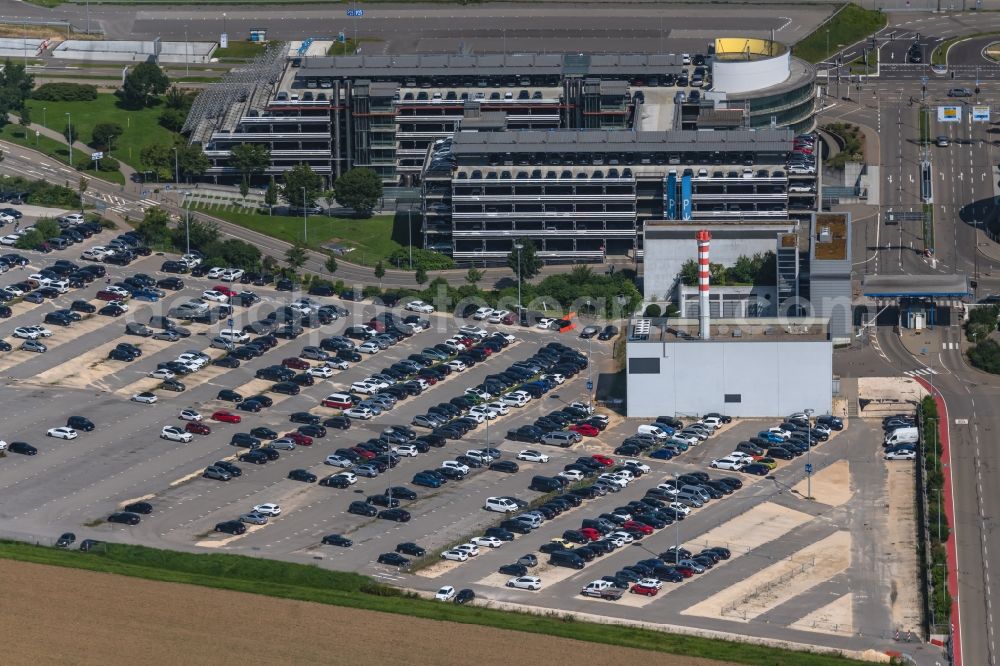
(759, 367)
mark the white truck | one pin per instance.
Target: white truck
(901, 436)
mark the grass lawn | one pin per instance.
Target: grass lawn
(373, 238)
(848, 26)
(142, 128)
(310, 583)
(240, 50)
(55, 149)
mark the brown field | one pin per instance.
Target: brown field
(69, 616)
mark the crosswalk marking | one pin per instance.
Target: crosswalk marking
(949, 345)
(149, 203)
(921, 371)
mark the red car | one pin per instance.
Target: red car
(485, 350)
(590, 533)
(637, 526)
(377, 325)
(223, 289)
(507, 319)
(364, 453)
(430, 379)
(604, 460)
(642, 589)
(108, 296)
(197, 428)
(226, 417)
(295, 363)
(687, 572)
(299, 438)
(585, 429)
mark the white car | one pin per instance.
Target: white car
(545, 324)
(457, 366)
(729, 462)
(369, 347)
(901, 455)
(500, 505)
(680, 438)
(351, 477)
(420, 306)
(484, 412)
(455, 555)
(215, 272)
(175, 434)
(339, 461)
(482, 313)
(526, 583)
(680, 508)
(407, 450)
(571, 474)
(712, 421)
(499, 408)
(515, 399)
(487, 541)
(650, 582)
(189, 415)
(337, 364)
(619, 481)
(231, 274)
(191, 260)
(145, 397)
(268, 509)
(478, 393)
(162, 373)
(212, 295)
(668, 488)
(469, 549)
(362, 413)
(556, 377)
(366, 388)
(32, 332)
(739, 455)
(617, 541)
(446, 593)
(118, 291)
(9, 239)
(533, 456)
(96, 253)
(321, 371)
(497, 316)
(642, 467)
(481, 456)
(62, 432)
(454, 464)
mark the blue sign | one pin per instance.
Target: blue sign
(355, 12)
(230, 323)
(686, 197)
(341, 38)
(590, 385)
(809, 468)
(671, 197)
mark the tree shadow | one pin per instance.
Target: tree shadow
(405, 231)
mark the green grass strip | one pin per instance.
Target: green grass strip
(848, 26)
(309, 583)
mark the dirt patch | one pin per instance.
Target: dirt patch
(905, 596)
(779, 582)
(831, 485)
(837, 617)
(764, 522)
(183, 623)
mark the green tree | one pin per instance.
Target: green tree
(250, 159)
(173, 119)
(155, 228)
(271, 195)
(689, 273)
(142, 84)
(104, 134)
(474, 276)
(296, 256)
(191, 161)
(530, 263)
(157, 157)
(379, 273)
(299, 177)
(420, 276)
(177, 99)
(30, 240)
(70, 133)
(358, 189)
(25, 119)
(244, 187)
(15, 87)
(331, 264)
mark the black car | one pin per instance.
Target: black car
(304, 417)
(80, 423)
(338, 422)
(254, 456)
(173, 385)
(23, 448)
(757, 469)
(337, 540)
(393, 559)
(65, 540)
(124, 518)
(410, 548)
(233, 470)
(508, 466)
(118, 355)
(229, 395)
(500, 533)
(226, 362)
(402, 492)
(144, 508)
(335, 481)
(231, 527)
(362, 509)
(396, 515)
(287, 388)
(464, 596)
(111, 310)
(303, 475)
(172, 283)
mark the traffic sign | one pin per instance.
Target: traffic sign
(341, 37)
(230, 322)
(590, 385)
(96, 155)
(355, 12)
(809, 468)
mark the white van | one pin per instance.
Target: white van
(902, 436)
(234, 335)
(651, 430)
(500, 505)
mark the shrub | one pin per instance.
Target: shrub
(425, 259)
(986, 356)
(65, 92)
(652, 310)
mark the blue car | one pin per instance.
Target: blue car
(145, 295)
(771, 436)
(662, 454)
(665, 428)
(422, 479)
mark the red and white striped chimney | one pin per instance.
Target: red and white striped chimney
(704, 238)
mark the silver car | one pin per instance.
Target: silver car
(370, 471)
(374, 407)
(283, 444)
(254, 518)
(34, 346)
(217, 473)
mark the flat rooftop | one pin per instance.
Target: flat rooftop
(830, 242)
(758, 329)
(916, 286)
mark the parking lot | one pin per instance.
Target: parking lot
(800, 566)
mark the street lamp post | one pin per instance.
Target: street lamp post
(809, 467)
(187, 229)
(43, 118)
(518, 247)
(177, 178)
(69, 136)
(590, 366)
(305, 218)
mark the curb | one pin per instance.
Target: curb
(949, 510)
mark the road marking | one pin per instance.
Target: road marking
(921, 371)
